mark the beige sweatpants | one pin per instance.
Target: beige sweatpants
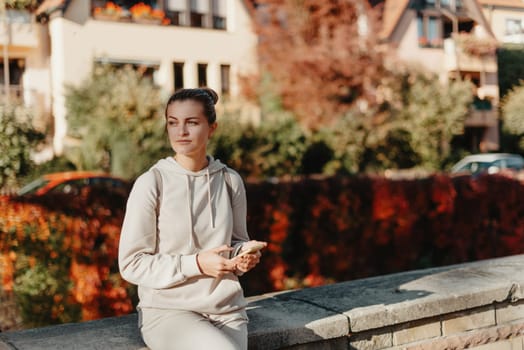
(164, 329)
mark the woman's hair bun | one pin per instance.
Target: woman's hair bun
(211, 93)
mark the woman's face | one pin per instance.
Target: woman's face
(188, 128)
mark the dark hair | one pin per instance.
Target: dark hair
(205, 96)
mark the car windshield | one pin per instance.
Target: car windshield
(32, 187)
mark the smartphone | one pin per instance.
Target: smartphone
(253, 249)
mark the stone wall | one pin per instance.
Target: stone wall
(477, 306)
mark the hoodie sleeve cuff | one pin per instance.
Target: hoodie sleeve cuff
(189, 266)
(236, 249)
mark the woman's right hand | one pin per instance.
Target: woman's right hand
(211, 263)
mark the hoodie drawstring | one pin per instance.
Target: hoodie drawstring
(212, 217)
(189, 204)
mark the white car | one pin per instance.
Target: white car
(488, 162)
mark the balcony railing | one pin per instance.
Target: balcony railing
(468, 58)
(145, 14)
(482, 117)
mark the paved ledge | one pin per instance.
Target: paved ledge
(372, 313)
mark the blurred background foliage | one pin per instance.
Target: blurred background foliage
(18, 137)
(513, 121)
(116, 118)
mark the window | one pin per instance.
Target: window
(198, 14)
(176, 11)
(514, 31)
(225, 71)
(16, 70)
(202, 74)
(429, 31)
(178, 71)
(219, 10)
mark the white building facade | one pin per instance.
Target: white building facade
(184, 44)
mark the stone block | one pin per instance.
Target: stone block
(499, 345)
(278, 322)
(509, 312)
(461, 322)
(413, 332)
(517, 343)
(331, 344)
(377, 339)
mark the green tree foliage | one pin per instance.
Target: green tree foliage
(17, 138)
(432, 114)
(23, 4)
(510, 67)
(273, 148)
(412, 126)
(512, 107)
(117, 117)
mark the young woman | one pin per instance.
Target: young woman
(184, 239)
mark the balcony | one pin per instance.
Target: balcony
(482, 117)
(22, 31)
(475, 55)
(175, 13)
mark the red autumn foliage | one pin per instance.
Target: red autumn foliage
(341, 229)
(75, 237)
(319, 231)
(321, 55)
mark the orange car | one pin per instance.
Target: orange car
(72, 182)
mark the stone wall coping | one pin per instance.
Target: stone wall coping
(313, 314)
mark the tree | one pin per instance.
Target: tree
(17, 138)
(512, 107)
(23, 4)
(320, 54)
(433, 114)
(510, 67)
(117, 117)
(412, 125)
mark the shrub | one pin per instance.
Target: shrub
(342, 228)
(59, 256)
(17, 138)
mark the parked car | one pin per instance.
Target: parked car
(74, 182)
(488, 163)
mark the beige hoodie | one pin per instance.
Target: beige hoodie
(196, 214)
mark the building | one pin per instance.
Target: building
(181, 43)
(453, 39)
(506, 19)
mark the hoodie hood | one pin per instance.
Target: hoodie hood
(169, 164)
